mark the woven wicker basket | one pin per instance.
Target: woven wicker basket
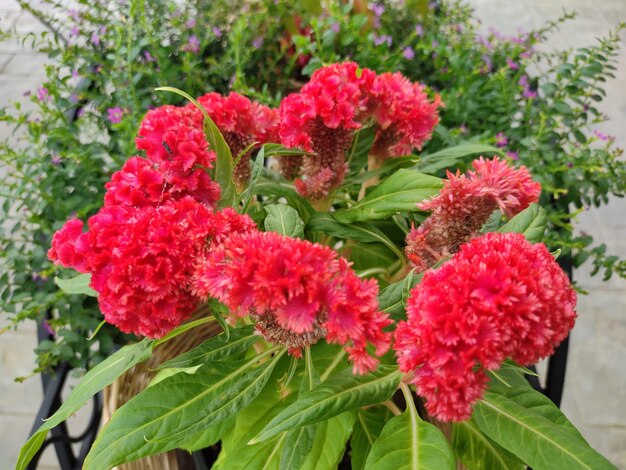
(137, 379)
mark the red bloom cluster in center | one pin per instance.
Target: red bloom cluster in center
(499, 297)
(297, 292)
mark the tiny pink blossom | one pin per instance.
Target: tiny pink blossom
(115, 115)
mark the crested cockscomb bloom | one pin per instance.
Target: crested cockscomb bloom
(322, 118)
(241, 122)
(465, 204)
(499, 297)
(297, 292)
(141, 259)
(404, 116)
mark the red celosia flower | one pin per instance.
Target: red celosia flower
(141, 259)
(241, 122)
(174, 141)
(322, 118)
(297, 292)
(465, 204)
(499, 297)
(404, 116)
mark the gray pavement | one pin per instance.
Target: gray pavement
(595, 388)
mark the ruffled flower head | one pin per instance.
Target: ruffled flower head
(463, 206)
(404, 116)
(499, 297)
(241, 122)
(174, 142)
(297, 292)
(141, 259)
(322, 118)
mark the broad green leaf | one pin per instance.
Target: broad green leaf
(208, 437)
(297, 446)
(478, 452)
(360, 148)
(529, 425)
(158, 420)
(531, 222)
(450, 157)
(400, 192)
(390, 301)
(359, 231)
(216, 348)
(76, 285)
(257, 170)
(285, 220)
(375, 256)
(368, 426)
(330, 442)
(341, 392)
(95, 380)
(409, 443)
(278, 189)
(223, 171)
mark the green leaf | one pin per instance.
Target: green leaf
(390, 300)
(285, 220)
(208, 437)
(278, 189)
(341, 392)
(158, 420)
(529, 425)
(531, 222)
(95, 380)
(277, 150)
(217, 310)
(450, 157)
(223, 171)
(330, 442)
(257, 170)
(76, 285)
(367, 428)
(400, 192)
(297, 446)
(478, 452)
(359, 231)
(407, 442)
(216, 348)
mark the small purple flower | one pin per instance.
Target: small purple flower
(486, 68)
(527, 91)
(529, 94)
(483, 41)
(258, 42)
(378, 40)
(512, 155)
(46, 326)
(193, 44)
(115, 115)
(462, 129)
(435, 44)
(570, 165)
(95, 39)
(191, 23)
(43, 94)
(378, 9)
(148, 57)
(75, 31)
(55, 159)
(335, 27)
(603, 136)
(501, 140)
(512, 65)
(231, 81)
(73, 98)
(217, 31)
(74, 14)
(408, 53)
(75, 74)
(419, 29)
(80, 113)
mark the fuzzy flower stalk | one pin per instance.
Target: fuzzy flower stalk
(464, 205)
(339, 100)
(500, 297)
(297, 292)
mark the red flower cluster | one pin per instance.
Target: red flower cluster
(174, 142)
(464, 205)
(141, 260)
(241, 122)
(404, 116)
(337, 101)
(499, 297)
(297, 292)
